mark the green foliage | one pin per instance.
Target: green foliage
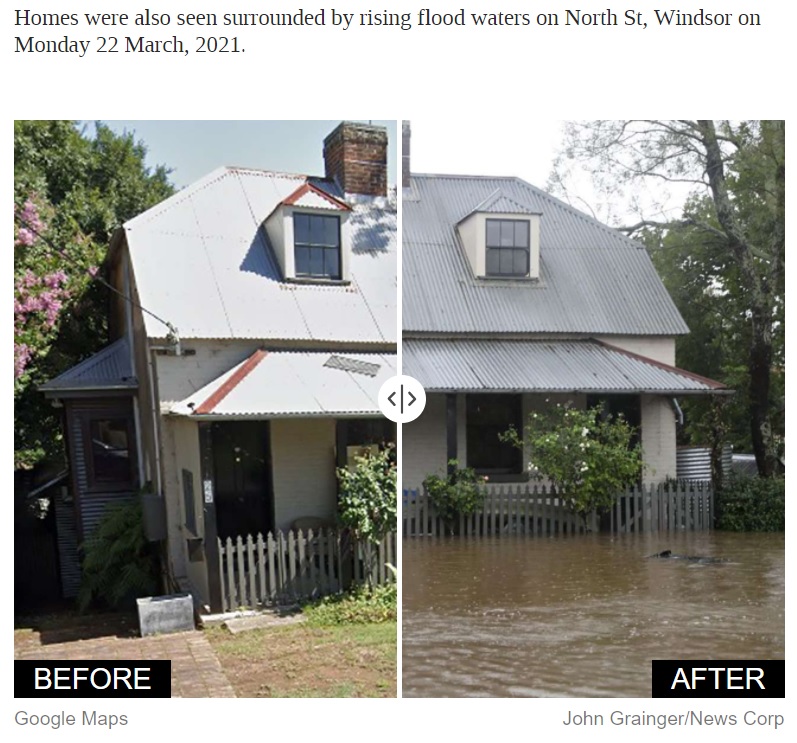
(722, 258)
(752, 504)
(587, 456)
(359, 606)
(74, 190)
(367, 503)
(118, 561)
(459, 492)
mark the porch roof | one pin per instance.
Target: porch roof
(272, 384)
(485, 365)
(110, 369)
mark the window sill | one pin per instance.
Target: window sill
(321, 281)
(511, 279)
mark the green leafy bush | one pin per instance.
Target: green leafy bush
(359, 606)
(586, 455)
(752, 504)
(368, 504)
(118, 561)
(460, 492)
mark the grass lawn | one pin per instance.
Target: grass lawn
(302, 660)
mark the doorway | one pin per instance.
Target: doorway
(242, 478)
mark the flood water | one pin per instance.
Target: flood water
(582, 616)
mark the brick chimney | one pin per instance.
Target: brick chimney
(405, 154)
(355, 155)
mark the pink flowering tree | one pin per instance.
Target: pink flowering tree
(73, 186)
(52, 267)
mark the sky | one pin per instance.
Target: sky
(526, 147)
(193, 149)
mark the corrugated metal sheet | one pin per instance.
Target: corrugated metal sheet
(203, 262)
(293, 384)
(111, 368)
(694, 462)
(592, 279)
(541, 366)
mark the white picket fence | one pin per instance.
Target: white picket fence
(280, 568)
(529, 510)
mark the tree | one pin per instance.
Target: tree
(734, 222)
(71, 191)
(587, 457)
(460, 492)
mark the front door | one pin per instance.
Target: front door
(242, 477)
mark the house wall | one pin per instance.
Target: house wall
(423, 443)
(181, 376)
(424, 440)
(660, 349)
(181, 451)
(658, 438)
(303, 469)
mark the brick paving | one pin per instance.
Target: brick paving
(196, 671)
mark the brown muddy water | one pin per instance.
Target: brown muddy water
(582, 616)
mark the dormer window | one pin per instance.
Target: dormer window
(501, 239)
(507, 246)
(309, 234)
(316, 240)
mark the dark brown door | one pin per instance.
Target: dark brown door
(242, 476)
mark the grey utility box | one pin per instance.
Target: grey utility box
(158, 615)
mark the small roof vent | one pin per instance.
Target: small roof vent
(352, 365)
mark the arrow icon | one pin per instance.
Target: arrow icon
(390, 399)
(412, 396)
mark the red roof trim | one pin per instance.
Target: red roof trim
(230, 384)
(712, 383)
(310, 188)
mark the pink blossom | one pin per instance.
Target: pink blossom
(93, 270)
(22, 355)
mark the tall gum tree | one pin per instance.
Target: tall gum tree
(736, 173)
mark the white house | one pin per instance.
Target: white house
(255, 323)
(513, 300)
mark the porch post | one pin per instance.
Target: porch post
(451, 430)
(212, 561)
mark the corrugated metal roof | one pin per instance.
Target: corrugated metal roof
(593, 280)
(542, 366)
(202, 262)
(282, 383)
(111, 368)
(499, 203)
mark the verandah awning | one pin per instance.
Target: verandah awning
(271, 384)
(552, 366)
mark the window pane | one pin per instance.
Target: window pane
(521, 234)
(316, 261)
(109, 450)
(487, 416)
(316, 230)
(520, 262)
(301, 228)
(331, 263)
(302, 261)
(506, 261)
(493, 232)
(507, 234)
(331, 231)
(492, 260)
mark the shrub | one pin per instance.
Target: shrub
(358, 606)
(752, 504)
(586, 455)
(368, 503)
(460, 492)
(118, 562)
